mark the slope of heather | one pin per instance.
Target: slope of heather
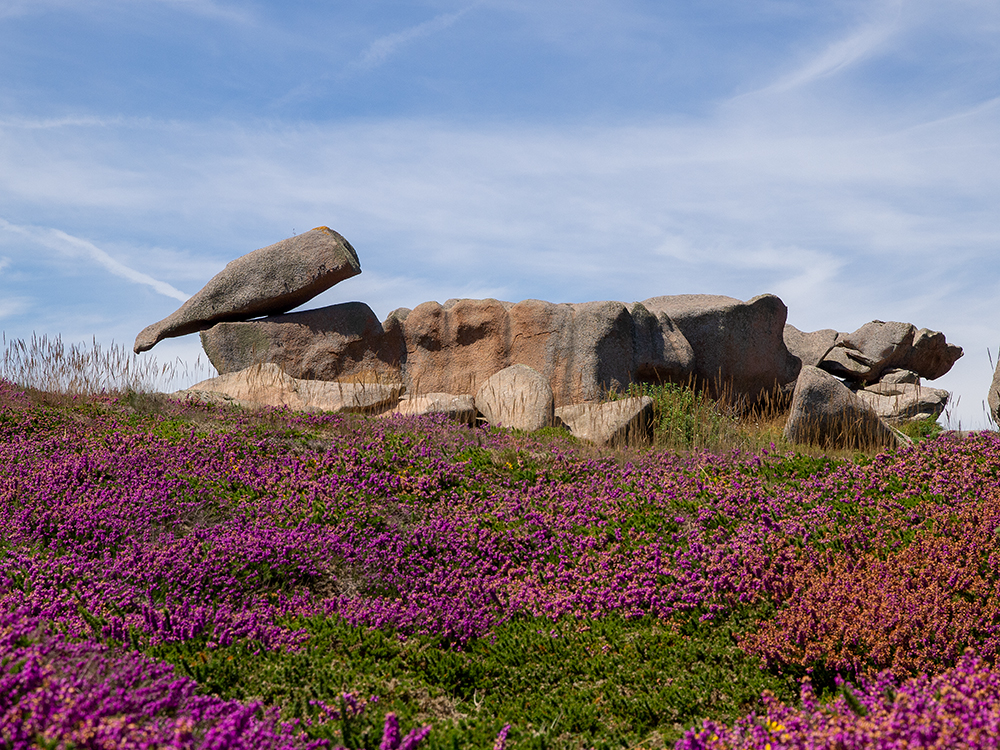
(184, 575)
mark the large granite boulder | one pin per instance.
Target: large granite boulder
(583, 349)
(877, 347)
(338, 342)
(739, 347)
(517, 397)
(825, 412)
(268, 281)
(626, 420)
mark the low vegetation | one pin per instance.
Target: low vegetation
(190, 575)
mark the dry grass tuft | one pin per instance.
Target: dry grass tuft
(49, 365)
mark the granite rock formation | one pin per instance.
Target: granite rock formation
(268, 281)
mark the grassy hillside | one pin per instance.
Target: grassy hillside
(188, 575)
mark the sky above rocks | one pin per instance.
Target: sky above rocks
(843, 155)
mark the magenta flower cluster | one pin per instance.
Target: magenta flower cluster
(114, 532)
(959, 708)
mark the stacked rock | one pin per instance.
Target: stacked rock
(536, 363)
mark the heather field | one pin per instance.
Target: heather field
(181, 575)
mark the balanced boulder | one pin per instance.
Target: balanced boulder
(879, 346)
(517, 397)
(268, 281)
(825, 412)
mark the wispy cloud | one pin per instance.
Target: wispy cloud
(861, 43)
(67, 244)
(384, 47)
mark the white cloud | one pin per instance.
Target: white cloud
(67, 244)
(14, 306)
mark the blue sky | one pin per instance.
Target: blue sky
(843, 155)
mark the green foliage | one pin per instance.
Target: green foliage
(923, 429)
(597, 683)
(683, 418)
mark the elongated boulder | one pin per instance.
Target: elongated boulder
(825, 412)
(269, 385)
(338, 342)
(268, 281)
(739, 347)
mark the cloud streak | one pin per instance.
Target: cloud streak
(862, 43)
(386, 46)
(67, 244)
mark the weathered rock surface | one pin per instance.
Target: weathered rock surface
(879, 346)
(931, 355)
(739, 346)
(268, 385)
(267, 281)
(619, 422)
(894, 377)
(993, 397)
(338, 342)
(459, 408)
(581, 349)
(809, 347)
(897, 403)
(517, 397)
(825, 412)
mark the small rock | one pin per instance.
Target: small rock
(517, 397)
(261, 385)
(616, 422)
(339, 397)
(459, 408)
(892, 377)
(898, 403)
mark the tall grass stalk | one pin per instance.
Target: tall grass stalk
(84, 369)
